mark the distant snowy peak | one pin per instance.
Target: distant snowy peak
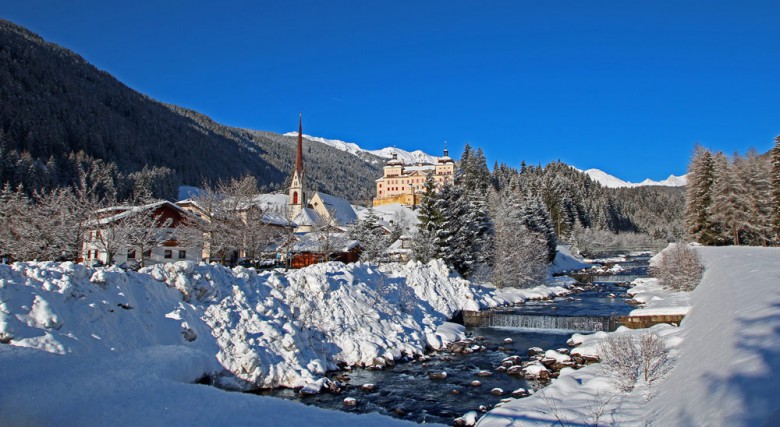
(349, 147)
(610, 181)
(671, 181)
(408, 157)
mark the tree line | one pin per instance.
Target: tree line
(734, 200)
(504, 225)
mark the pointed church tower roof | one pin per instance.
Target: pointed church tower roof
(299, 154)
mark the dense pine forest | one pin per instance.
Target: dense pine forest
(734, 200)
(59, 115)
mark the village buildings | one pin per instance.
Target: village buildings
(138, 234)
(405, 184)
(295, 229)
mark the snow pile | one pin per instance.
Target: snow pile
(287, 329)
(566, 261)
(725, 364)
(68, 308)
(141, 338)
(265, 329)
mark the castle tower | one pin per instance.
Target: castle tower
(297, 197)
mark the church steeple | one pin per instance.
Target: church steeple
(299, 155)
(297, 197)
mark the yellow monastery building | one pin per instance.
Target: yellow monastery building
(405, 184)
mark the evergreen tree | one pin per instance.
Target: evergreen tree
(474, 173)
(536, 219)
(775, 155)
(370, 233)
(430, 217)
(519, 254)
(701, 176)
(424, 246)
(755, 173)
(729, 208)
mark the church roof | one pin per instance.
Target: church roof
(307, 217)
(341, 210)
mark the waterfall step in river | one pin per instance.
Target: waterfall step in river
(567, 323)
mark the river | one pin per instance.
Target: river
(406, 391)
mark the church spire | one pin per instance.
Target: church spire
(299, 154)
(297, 196)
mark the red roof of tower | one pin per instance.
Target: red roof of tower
(299, 154)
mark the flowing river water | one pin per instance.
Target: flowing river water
(406, 391)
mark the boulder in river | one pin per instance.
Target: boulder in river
(437, 375)
(469, 419)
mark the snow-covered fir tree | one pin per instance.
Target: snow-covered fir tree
(371, 235)
(730, 205)
(536, 218)
(701, 176)
(730, 201)
(519, 254)
(424, 246)
(775, 155)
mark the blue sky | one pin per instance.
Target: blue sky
(624, 86)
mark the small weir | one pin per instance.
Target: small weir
(613, 278)
(563, 323)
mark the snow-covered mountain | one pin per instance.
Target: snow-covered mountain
(418, 156)
(408, 157)
(610, 181)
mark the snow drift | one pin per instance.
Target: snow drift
(264, 329)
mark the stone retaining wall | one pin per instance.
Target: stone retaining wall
(640, 322)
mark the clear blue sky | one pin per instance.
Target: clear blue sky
(624, 86)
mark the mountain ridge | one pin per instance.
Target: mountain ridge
(60, 114)
(418, 156)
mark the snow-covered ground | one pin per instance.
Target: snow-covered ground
(725, 368)
(95, 346)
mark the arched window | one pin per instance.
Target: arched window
(295, 198)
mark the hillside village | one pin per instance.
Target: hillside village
(301, 227)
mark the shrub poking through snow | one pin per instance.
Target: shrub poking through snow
(628, 358)
(678, 268)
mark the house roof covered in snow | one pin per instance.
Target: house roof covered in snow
(316, 242)
(307, 217)
(116, 213)
(340, 209)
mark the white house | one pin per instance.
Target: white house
(145, 234)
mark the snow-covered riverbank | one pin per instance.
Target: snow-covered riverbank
(150, 334)
(726, 358)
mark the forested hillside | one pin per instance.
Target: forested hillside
(59, 114)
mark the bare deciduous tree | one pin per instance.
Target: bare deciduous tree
(627, 359)
(678, 268)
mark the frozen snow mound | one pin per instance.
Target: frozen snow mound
(265, 329)
(565, 260)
